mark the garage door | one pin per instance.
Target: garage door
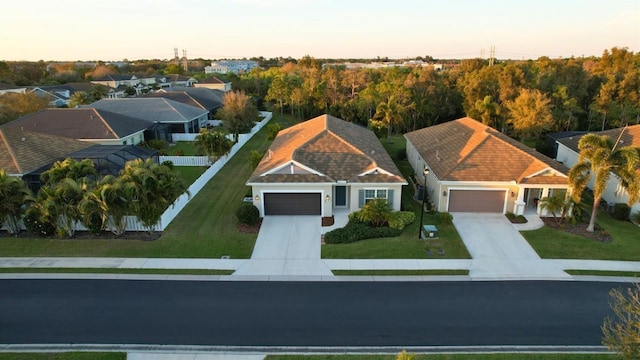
(292, 204)
(476, 201)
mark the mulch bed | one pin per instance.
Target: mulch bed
(249, 229)
(85, 235)
(327, 221)
(579, 229)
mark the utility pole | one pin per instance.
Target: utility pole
(185, 62)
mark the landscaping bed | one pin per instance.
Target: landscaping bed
(579, 229)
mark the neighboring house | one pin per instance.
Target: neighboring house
(86, 124)
(59, 95)
(214, 83)
(173, 80)
(6, 88)
(234, 66)
(552, 140)
(22, 151)
(210, 102)
(180, 117)
(474, 168)
(120, 82)
(614, 193)
(324, 165)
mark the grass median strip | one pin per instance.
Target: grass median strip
(117, 271)
(64, 356)
(635, 274)
(507, 356)
(400, 272)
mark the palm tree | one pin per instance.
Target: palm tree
(556, 204)
(69, 168)
(376, 212)
(390, 113)
(599, 156)
(14, 194)
(60, 202)
(215, 143)
(118, 202)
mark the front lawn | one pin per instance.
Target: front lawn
(205, 228)
(407, 245)
(550, 243)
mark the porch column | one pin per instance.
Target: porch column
(518, 207)
(539, 210)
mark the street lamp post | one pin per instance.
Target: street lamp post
(425, 172)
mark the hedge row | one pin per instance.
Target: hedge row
(356, 230)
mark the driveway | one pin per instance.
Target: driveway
(287, 245)
(498, 250)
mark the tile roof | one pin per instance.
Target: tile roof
(467, 150)
(339, 150)
(81, 123)
(152, 109)
(631, 136)
(23, 151)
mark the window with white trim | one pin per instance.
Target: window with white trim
(371, 194)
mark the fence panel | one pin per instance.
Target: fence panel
(186, 160)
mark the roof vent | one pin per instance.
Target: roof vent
(23, 139)
(438, 155)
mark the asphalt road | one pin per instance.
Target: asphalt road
(302, 313)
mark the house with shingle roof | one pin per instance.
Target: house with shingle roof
(214, 83)
(180, 117)
(206, 99)
(23, 151)
(324, 165)
(86, 124)
(568, 155)
(475, 168)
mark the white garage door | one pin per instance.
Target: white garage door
(491, 201)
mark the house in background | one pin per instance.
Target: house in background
(181, 118)
(214, 83)
(86, 124)
(119, 83)
(59, 95)
(233, 66)
(7, 88)
(474, 168)
(174, 80)
(568, 155)
(324, 165)
(205, 99)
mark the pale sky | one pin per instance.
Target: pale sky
(212, 29)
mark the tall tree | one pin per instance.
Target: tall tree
(390, 113)
(530, 113)
(238, 112)
(14, 105)
(215, 143)
(600, 157)
(69, 168)
(622, 332)
(14, 194)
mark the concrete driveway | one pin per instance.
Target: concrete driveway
(499, 250)
(287, 245)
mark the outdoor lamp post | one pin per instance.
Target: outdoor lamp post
(425, 172)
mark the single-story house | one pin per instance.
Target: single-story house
(86, 124)
(475, 168)
(324, 165)
(8, 88)
(181, 117)
(209, 100)
(214, 83)
(614, 193)
(171, 80)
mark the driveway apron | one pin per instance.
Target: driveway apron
(499, 251)
(287, 245)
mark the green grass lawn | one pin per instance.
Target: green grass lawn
(190, 173)
(400, 272)
(515, 356)
(206, 227)
(188, 148)
(65, 356)
(550, 243)
(407, 245)
(117, 271)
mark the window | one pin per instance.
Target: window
(370, 194)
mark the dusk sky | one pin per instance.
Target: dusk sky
(214, 29)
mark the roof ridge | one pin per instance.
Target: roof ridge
(105, 122)
(11, 152)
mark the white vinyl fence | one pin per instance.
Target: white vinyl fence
(132, 222)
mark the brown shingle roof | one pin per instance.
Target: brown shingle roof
(339, 150)
(467, 150)
(23, 151)
(630, 137)
(81, 123)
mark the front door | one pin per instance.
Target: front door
(340, 196)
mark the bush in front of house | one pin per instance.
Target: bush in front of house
(356, 230)
(400, 219)
(248, 214)
(446, 218)
(621, 212)
(37, 224)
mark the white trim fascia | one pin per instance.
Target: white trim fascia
(473, 183)
(296, 184)
(292, 162)
(544, 170)
(372, 171)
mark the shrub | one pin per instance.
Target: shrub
(168, 164)
(356, 230)
(273, 130)
(401, 155)
(399, 219)
(255, 157)
(36, 224)
(446, 218)
(178, 152)
(621, 212)
(635, 218)
(248, 214)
